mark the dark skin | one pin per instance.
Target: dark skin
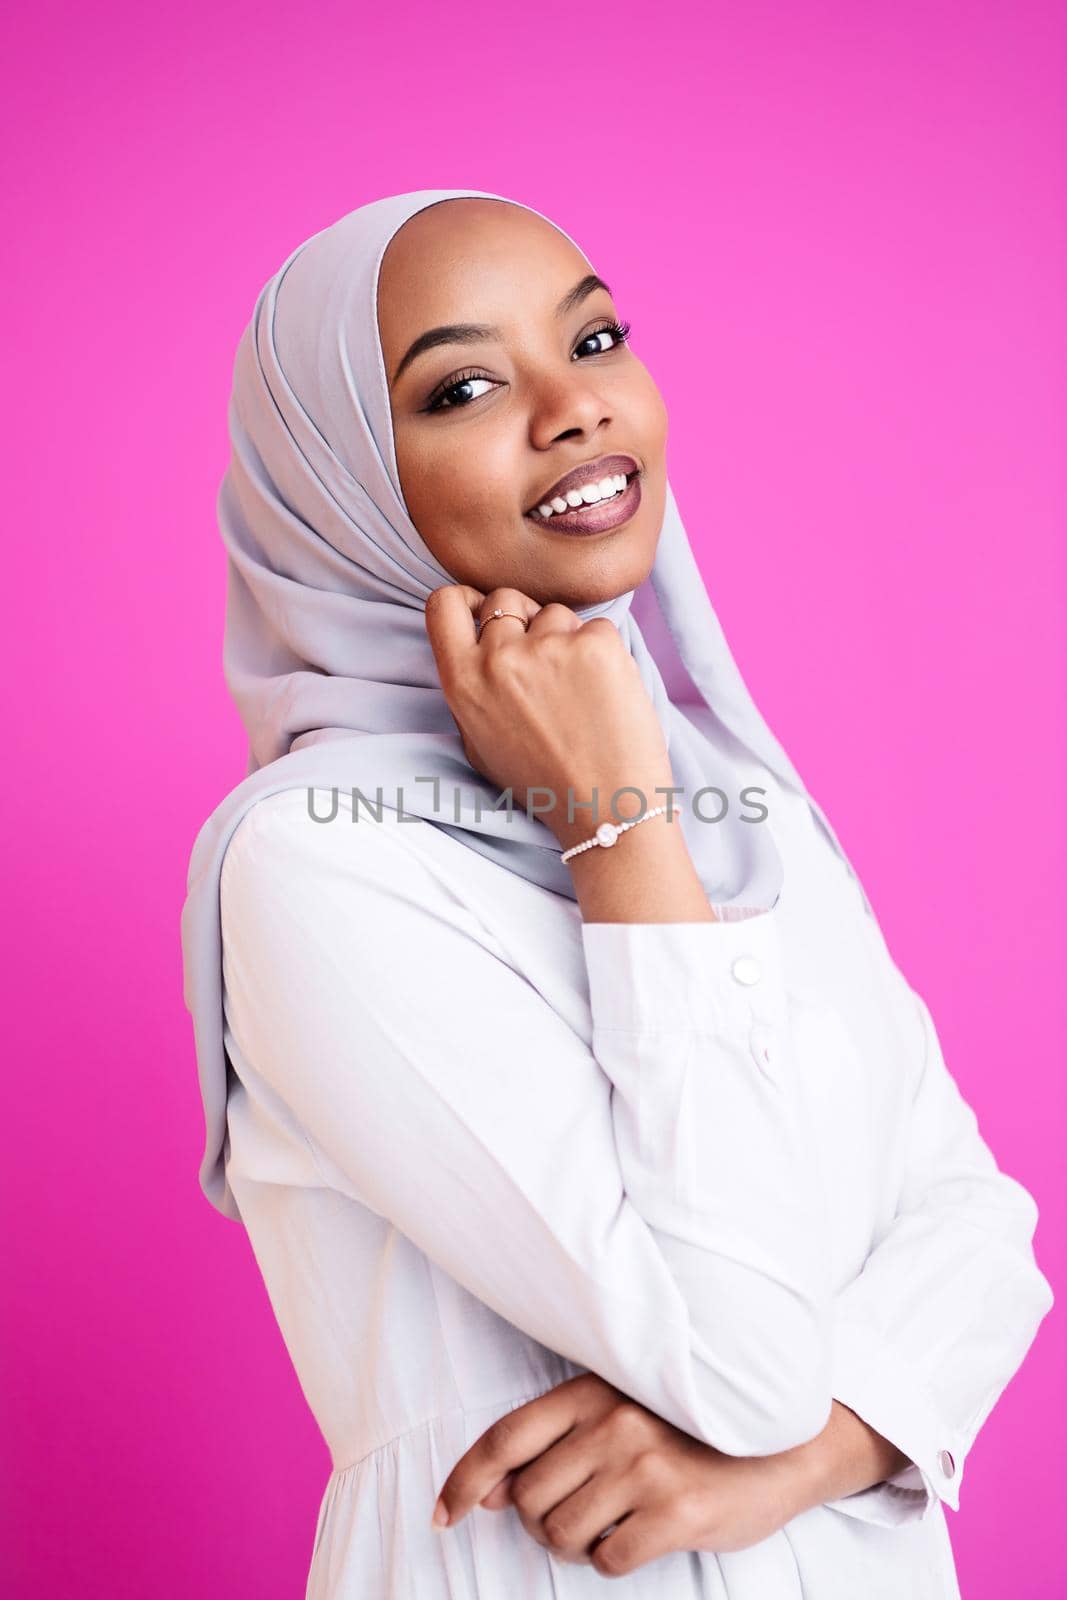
(545, 396)
(551, 398)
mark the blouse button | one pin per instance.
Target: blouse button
(946, 1463)
(746, 969)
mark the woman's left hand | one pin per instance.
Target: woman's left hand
(584, 1456)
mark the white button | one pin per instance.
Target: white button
(746, 969)
(946, 1463)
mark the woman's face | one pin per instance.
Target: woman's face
(486, 427)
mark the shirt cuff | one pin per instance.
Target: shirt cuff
(882, 1389)
(686, 976)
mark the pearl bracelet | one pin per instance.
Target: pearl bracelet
(608, 832)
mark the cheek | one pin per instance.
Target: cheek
(472, 490)
(463, 501)
(433, 485)
(653, 412)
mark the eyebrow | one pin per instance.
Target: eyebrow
(471, 332)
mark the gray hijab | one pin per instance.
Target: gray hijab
(326, 652)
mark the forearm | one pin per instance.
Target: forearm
(846, 1457)
(646, 876)
(649, 877)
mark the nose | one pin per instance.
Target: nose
(568, 404)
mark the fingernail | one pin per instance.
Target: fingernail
(440, 1514)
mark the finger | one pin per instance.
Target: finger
(500, 1497)
(449, 619)
(641, 1537)
(555, 618)
(544, 1488)
(514, 1440)
(559, 1471)
(492, 635)
(573, 1527)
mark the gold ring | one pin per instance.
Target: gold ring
(498, 613)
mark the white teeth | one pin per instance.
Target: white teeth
(590, 495)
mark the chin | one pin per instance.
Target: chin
(596, 594)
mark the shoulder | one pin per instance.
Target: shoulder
(298, 842)
(313, 910)
(300, 861)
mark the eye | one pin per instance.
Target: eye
(619, 331)
(442, 398)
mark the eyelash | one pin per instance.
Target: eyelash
(620, 331)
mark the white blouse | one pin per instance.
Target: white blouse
(480, 1146)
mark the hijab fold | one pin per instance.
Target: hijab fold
(326, 652)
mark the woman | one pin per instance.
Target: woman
(610, 1184)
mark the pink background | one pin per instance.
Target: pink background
(838, 231)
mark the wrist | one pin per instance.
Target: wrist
(589, 838)
(646, 876)
(587, 815)
(587, 818)
(847, 1457)
(816, 1471)
(802, 1477)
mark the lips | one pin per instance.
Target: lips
(588, 472)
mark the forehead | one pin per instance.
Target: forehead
(471, 261)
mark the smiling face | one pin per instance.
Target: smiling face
(485, 427)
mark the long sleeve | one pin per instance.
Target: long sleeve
(929, 1334)
(563, 1184)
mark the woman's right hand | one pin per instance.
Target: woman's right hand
(559, 705)
(584, 1459)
